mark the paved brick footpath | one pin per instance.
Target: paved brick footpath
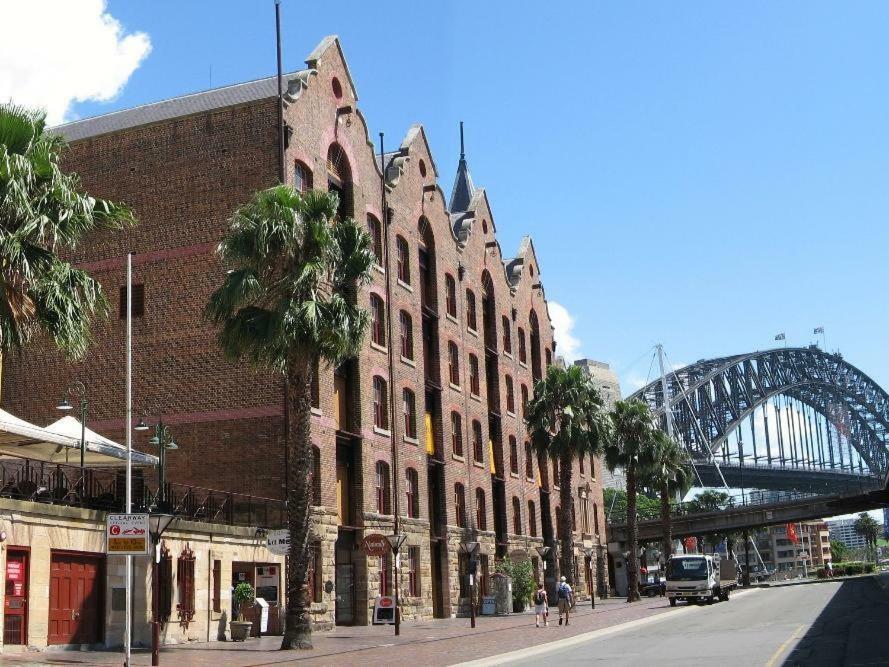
(439, 642)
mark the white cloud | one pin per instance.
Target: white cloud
(563, 323)
(54, 53)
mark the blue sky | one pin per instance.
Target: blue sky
(700, 174)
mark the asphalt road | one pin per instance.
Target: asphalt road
(821, 624)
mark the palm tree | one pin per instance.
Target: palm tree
(670, 473)
(566, 421)
(43, 210)
(630, 447)
(288, 301)
(869, 529)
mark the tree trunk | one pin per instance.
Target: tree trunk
(633, 534)
(298, 632)
(665, 522)
(566, 535)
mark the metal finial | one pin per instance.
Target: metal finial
(462, 151)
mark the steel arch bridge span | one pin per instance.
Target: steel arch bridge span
(830, 410)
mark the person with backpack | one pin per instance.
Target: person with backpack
(566, 599)
(541, 605)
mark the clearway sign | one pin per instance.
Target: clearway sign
(278, 542)
(127, 535)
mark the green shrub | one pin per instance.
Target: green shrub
(243, 593)
(523, 584)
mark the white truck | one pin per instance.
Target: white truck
(697, 577)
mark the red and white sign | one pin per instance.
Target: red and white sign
(14, 570)
(375, 545)
(127, 534)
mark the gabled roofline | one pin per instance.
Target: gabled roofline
(321, 49)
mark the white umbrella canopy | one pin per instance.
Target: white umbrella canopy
(60, 443)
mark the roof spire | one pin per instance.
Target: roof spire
(461, 195)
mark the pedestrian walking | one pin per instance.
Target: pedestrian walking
(541, 606)
(566, 599)
(829, 569)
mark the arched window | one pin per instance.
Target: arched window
(523, 352)
(516, 515)
(381, 404)
(339, 179)
(474, 385)
(409, 408)
(460, 505)
(471, 317)
(454, 363)
(450, 295)
(524, 400)
(378, 320)
(529, 461)
(412, 493)
(478, 452)
(532, 519)
(457, 433)
(376, 238)
(507, 336)
(382, 488)
(513, 456)
(404, 260)
(316, 475)
(302, 177)
(481, 512)
(510, 395)
(407, 335)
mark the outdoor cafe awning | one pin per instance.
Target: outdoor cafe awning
(60, 443)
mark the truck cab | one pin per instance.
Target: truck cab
(700, 577)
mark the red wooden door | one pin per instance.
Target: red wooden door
(75, 599)
(15, 612)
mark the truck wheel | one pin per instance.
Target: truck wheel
(672, 602)
(712, 598)
(724, 596)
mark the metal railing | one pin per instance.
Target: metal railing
(104, 489)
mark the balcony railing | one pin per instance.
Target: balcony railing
(104, 489)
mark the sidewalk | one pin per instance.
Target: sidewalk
(437, 642)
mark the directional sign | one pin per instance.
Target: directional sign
(127, 535)
(278, 542)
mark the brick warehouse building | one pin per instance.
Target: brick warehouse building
(471, 333)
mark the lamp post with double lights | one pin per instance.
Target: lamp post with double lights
(78, 389)
(471, 549)
(395, 541)
(163, 440)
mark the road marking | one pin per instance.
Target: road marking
(774, 659)
(559, 644)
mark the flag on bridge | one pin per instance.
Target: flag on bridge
(780, 336)
(791, 533)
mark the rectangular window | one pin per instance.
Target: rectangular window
(477, 450)
(378, 320)
(413, 572)
(185, 579)
(523, 353)
(454, 363)
(513, 456)
(450, 295)
(471, 321)
(165, 584)
(138, 301)
(510, 395)
(529, 461)
(385, 565)
(376, 238)
(403, 258)
(460, 505)
(316, 574)
(407, 336)
(217, 586)
(381, 404)
(507, 336)
(474, 385)
(457, 433)
(410, 414)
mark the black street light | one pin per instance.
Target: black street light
(471, 549)
(158, 522)
(395, 541)
(78, 389)
(163, 440)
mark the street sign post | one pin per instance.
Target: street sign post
(127, 535)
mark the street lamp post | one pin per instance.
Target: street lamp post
(78, 389)
(471, 549)
(395, 541)
(163, 440)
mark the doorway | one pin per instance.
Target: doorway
(76, 600)
(345, 578)
(15, 612)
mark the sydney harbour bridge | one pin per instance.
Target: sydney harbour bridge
(779, 424)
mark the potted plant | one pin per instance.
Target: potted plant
(240, 629)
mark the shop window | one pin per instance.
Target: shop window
(471, 317)
(382, 488)
(457, 433)
(185, 580)
(138, 301)
(450, 295)
(403, 259)
(413, 572)
(410, 413)
(460, 505)
(478, 452)
(481, 511)
(381, 404)
(513, 456)
(407, 335)
(378, 320)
